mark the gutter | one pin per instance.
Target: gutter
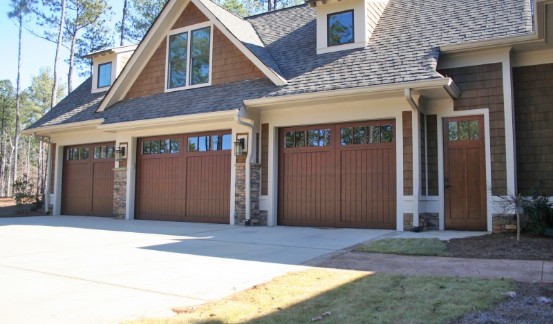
(249, 155)
(446, 82)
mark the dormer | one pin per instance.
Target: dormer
(346, 24)
(107, 64)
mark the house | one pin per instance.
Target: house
(352, 113)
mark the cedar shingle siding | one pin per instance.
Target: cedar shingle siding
(407, 153)
(533, 86)
(229, 64)
(482, 87)
(432, 142)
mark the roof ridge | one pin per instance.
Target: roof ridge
(274, 11)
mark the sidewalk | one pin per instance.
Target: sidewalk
(519, 270)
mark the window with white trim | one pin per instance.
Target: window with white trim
(189, 57)
(104, 75)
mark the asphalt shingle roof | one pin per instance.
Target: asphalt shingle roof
(404, 47)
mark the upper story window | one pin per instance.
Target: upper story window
(340, 28)
(189, 57)
(104, 75)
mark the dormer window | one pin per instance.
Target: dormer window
(340, 28)
(104, 75)
(189, 57)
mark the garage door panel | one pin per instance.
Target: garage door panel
(208, 188)
(160, 181)
(308, 188)
(77, 189)
(102, 195)
(347, 181)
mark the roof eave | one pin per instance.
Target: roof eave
(446, 84)
(47, 130)
(166, 121)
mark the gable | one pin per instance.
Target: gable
(229, 64)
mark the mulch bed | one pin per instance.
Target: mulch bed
(532, 304)
(502, 246)
(8, 208)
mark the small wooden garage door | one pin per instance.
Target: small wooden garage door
(88, 180)
(184, 177)
(338, 175)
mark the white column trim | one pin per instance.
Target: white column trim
(131, 178)
(509, 110)
(58, 180)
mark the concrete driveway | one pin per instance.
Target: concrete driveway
(70, 269)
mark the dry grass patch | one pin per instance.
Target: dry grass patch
(346, 296)
(416, 246)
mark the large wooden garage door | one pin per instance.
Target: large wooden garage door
(184, 177)
(88, 180)
(338, 175)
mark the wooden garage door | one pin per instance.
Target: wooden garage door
(88, 180)
(184, 177)
(338, 175)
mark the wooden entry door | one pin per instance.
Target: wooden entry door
(464, 173)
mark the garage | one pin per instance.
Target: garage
(338, 175)
(87, 180)
(184, 177)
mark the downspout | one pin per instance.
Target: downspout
(416, 153)
(249, 156)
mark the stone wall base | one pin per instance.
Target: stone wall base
(428, 221)
(504, 223)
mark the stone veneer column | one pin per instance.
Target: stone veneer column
(119, 192)
(240, 194)
(257, 217)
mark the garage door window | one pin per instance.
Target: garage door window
(372, 134)
(104, 152)
(209, 143)
(163, 146)
(77, 153)
(310, 138)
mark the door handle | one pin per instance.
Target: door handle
(446, 183)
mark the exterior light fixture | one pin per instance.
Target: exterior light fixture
(121, 152)
(240, 146)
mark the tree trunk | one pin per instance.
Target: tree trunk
(3, 156)
(269, 5)
(28, 171)
(125, 8)
(54, 98)
(71, 63)
(17, 101)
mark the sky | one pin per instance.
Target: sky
(36, 52)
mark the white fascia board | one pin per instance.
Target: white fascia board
(446, 83)
(486, 44)
(143, 53)
(46, 130)
(164, 122)
(272, 75)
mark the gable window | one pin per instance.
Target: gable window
(189, 57)
(104, 75)
(340, 28)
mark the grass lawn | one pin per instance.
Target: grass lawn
(345, 296)
(416, 246)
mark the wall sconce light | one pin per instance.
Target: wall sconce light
(121, 152)
(241, 145)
